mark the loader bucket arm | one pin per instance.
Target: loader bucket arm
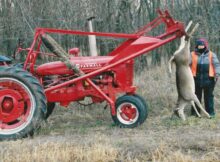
(172, 28)
(135, 47)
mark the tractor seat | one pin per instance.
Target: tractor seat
(86, 64)
(5, 59)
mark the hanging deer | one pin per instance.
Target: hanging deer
(184, 78)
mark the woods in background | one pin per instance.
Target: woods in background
(19, 18)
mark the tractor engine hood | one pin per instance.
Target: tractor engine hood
(86, 64)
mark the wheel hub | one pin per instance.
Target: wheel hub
(11, 105)
(128, 112)
(7, 104)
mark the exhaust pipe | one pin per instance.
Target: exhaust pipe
(92, 39)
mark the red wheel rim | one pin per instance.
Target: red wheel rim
(127, 113)
(16, 105)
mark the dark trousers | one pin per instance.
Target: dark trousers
(208, 98)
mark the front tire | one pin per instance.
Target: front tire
(143, 101)
(130, 111)
(22, 103)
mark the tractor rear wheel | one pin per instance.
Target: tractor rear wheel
(22, 103)
(50, 108)
(130, 111)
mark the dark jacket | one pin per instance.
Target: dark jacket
(202, 75)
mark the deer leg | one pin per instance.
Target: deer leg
(182, 40)
(194, 29)
(180, 109)
(180, 113)
(175, 112)
(195, 99)
(188, 26)
(194, 107)
(170, 64)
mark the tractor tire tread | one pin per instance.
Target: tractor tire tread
(140, 106)
(37, 91)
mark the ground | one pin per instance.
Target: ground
(89, 134)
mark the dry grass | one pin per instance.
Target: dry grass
(58, 151)
(87, 134)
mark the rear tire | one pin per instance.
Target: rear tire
(22, 103)
(130, 112)
(50, 108)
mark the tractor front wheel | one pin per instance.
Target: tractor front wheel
(22, 103)
(131, 111)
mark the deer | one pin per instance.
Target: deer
(184, 77)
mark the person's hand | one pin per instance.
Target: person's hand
(216, 78)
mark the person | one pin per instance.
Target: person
(205, 68)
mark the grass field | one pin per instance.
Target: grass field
(88, 133)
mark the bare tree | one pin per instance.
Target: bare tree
(19, 18)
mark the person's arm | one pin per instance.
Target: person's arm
(216, 65)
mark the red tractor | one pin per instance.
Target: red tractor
(28, 92)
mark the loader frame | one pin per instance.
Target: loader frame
(136, 44)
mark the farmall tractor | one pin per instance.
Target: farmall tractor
(28, 92)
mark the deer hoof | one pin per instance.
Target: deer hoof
(175, 113)
(199, 116)
(181, 115)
